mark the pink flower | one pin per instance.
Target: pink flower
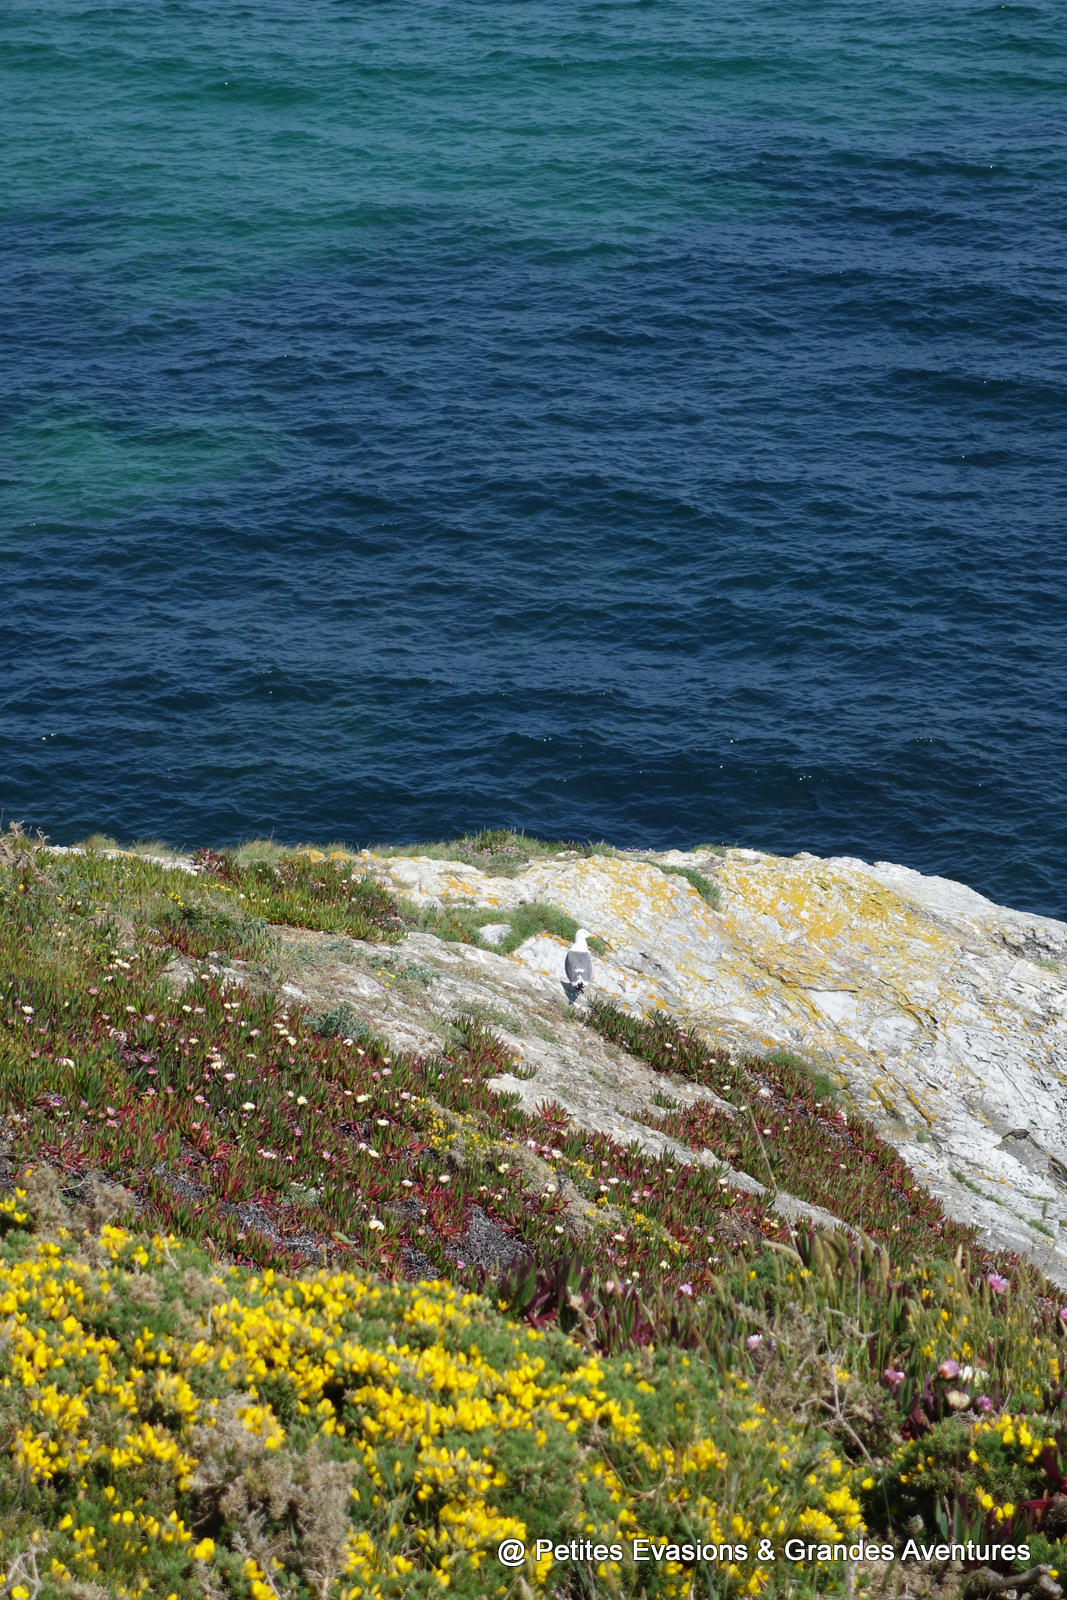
(893, 1375)
(984, 1403)
(685, 1288)
(949, 1368)
(754, 1341)
(997, 1283)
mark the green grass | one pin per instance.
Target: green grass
(327, 895)
(705, 887)
(501, 852)
(98, 843)
(961, 1177)
(463, 924)
(497, 851)
(824, 1087)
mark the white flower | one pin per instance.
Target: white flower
(376, 1224)
(248, 1106)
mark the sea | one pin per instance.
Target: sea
(639, 420)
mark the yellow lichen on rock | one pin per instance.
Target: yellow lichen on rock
(925, 998)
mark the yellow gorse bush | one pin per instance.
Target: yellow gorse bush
(172, 1423)
(983, 1469)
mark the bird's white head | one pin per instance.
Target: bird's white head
(580, 940)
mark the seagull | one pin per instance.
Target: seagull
(579, 963)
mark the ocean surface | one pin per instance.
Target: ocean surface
(630, 420)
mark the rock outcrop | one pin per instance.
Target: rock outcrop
(942, 1015)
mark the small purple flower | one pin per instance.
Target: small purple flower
(754, 1341)
(893, 1375)
(997, 1283)
(1063, 1313)
(949, 1368)
(983, 1403)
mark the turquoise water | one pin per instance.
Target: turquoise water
(630, 420)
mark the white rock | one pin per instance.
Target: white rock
(920, 994)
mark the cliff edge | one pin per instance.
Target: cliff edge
(942, 1016)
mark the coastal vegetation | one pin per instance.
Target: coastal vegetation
(293, 1312)
(705, 887)
(500, 851)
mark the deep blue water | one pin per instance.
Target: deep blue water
(641, 421)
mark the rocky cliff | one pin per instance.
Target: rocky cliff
(941, 1016)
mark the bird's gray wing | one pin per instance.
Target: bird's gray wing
(578, 966)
